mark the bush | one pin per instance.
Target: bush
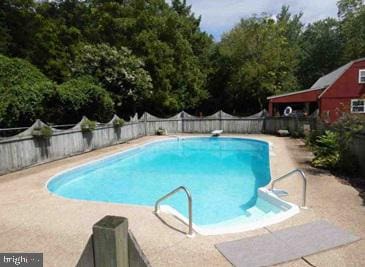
(346, 127)
(118, 122)
(42, 132)
(24, 93)
(332, 149)
(161, 131)
(312, 137)
(88, 126)
(82, 96)
(327, 151)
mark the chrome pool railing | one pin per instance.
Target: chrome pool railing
(174, 136)
(304, 191)
(190, 205)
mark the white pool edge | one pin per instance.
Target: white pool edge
(215, 229)
(237, 226)
(140, 146)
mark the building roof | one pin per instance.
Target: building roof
(293, 93)
(325, 81)
(334, 75)
(331, 77)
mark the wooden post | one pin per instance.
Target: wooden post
(110, 238)
(263, 130)
(182, 121)
(145, 123)
(220, 120)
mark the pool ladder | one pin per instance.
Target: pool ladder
(190, 205)
(304, 191)
(174, 136)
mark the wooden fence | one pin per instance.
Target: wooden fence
(23, 150)
(292, 124)
(358, 148)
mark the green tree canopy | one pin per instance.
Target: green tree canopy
(352, 28)
(348, 8)
(322, 48)
(118, 70)
(24, 93)
(169, 41)
(79, 97)
(261, 62)
(182, 68)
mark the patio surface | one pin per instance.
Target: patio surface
(33, 220)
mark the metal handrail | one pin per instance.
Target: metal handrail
(304, 192)
(190, 201)
(174, 136)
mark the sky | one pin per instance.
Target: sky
(219, 16)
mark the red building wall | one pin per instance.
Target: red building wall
(337, 98)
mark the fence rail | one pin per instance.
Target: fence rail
(23, 149)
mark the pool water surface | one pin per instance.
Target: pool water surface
(222, 174)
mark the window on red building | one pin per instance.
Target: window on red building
(361, 76)
(358, 105)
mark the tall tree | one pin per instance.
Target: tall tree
(321, 46)
(352, 13)
(166, 37)
(261, 62)
(18, 21)
(169, 41)
(291, 25)
(348, 7)
(120, 72)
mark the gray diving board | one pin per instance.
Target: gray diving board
(285, 245)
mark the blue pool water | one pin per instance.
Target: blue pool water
(223, 175)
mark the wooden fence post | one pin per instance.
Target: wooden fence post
(263, 130)
(182, 121)
(145, 123)
(220, 120)
(110, 239)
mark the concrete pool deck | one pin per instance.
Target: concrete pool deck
(34, 220)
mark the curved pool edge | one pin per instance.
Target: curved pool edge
(225, 227)
(235, 226)
(140, 146)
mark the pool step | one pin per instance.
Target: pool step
(280, 192)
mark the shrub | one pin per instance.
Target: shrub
(347, 127)
(332, 149)
(312, 137)
(42, 132)
(118, 122)
(88, 126)
(24, 92)
(82, 96)
(161, 131)
(326, 151)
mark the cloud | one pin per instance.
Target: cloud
(219, 16)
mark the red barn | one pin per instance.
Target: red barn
(342, 90)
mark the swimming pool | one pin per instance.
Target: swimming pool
(223, 175)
